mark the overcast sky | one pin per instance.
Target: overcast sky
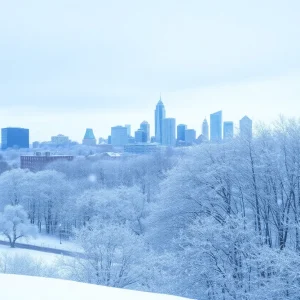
(66, 65)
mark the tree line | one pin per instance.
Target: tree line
(214, 221)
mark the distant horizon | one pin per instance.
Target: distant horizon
(198, 130)
(101, 64)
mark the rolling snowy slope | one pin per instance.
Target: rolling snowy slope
(16, 287)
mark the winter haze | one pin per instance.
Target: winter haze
(67, 65)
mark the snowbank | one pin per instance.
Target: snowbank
(15, 287)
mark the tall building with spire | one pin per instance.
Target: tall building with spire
(205, 129)
(160, 115)
(216, 126)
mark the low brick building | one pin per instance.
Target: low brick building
(39, 161)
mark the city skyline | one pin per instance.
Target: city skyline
(160, 114)
(101, 64)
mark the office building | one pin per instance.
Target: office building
(190, 137)
(128, 126)
(216, 126)
(39, 161)
(35, 144)
(205, 130)
(181, 128)
(169, 132)
(160, 114)
(227, 130)
(246, 127)
(145, 126)
(119, 136)
(13, 137)
(140, 136)
(89, 138)
(60, 140)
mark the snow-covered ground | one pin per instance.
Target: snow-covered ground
(16, 287)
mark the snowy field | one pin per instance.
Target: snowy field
(17, 287)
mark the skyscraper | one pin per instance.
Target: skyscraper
(216, 126)
(128, 126)
(169, 128)
(119, 136)
(246, 127)
(140, 136)
(190, 136)
(89, 138)
(205, 129)
(160, 114)
(181, 128)
(145, 126)
(13, 137)
(227, 130)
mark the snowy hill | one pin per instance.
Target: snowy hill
(15, 287)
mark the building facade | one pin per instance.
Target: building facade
(160, 114)
(140, 136)
(39, 161)
(128, 126)
(60, 139)
(169, 132)
(216, 126)
(145, 126)
(246, 127)
(190, 137)
(205, 129)
(228, 130)
(181, 128)
(13, 137)
(119, 136)
(145, 148)
(89, 138)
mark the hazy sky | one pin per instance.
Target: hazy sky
(66, 65)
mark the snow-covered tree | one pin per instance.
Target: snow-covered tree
(14, 223)
(112, 256)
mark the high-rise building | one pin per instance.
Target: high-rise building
(216, 126)
(190, 136)
(169, 131)
(145, 126)
(13, 137)
(140, 136)
(128, 126)
(246, 127)
(181, 128)
(227, 130)
(160, 114)
(119, 136)
(205, 129)
(89, 138)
